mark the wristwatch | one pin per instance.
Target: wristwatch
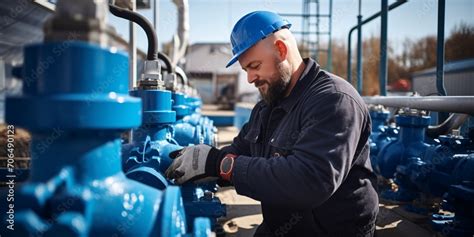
(226, 167)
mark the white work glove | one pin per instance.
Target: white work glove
(198, 163)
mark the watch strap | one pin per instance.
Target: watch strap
(227, 166)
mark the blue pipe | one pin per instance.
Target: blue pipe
(349, 59)
(349, 56)
(410, 143)
(440, 49)
(359, 53)
(185, 133)
(76, 107)
(146, 158)
(383, 48)
(329, 66)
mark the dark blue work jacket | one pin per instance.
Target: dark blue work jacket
(307, 160)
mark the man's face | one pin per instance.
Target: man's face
(264, 70)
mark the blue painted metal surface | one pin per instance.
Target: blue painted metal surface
(194, 103)
(199, 201)
(202, 227)
(410, 144)
(435, 174)
(382, 134)
(146, 158)
(80, 92)
(222, 120)
(209, 131)
(185, 133)
(190, 126)
(460, 200)
(379, 117)
(425, 170)
(446, 173)
(398, 152)
(64, 101)
(242, 114)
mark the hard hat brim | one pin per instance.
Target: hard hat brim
(235, 58)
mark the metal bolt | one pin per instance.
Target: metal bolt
(208, 195)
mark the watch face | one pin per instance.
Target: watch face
(226, 164)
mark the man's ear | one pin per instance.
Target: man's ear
(281, 49)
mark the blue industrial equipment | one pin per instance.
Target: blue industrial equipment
(433, 177)
(75, 103)
(199, 200)
(191, 127)
(382, 133)
(222, 120)
(146, 158)
(242, 114)
(443, 174)
(426, 172)
(184, 132)
(201, 227)
(194, 103)
(77, 175)
(459, 200)
(208, 129)
(413, 124)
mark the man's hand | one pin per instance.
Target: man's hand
(198, 163)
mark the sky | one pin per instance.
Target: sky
(212, 20)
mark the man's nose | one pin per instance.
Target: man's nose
(251, 77)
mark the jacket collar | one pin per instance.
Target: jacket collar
(310, 72)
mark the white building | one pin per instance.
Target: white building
(205, 67)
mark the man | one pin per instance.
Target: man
(304, 152)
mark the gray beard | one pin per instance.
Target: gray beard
(277, 89)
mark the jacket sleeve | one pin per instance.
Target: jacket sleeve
(322, 156)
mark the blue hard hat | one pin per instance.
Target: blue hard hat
(252, 28)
